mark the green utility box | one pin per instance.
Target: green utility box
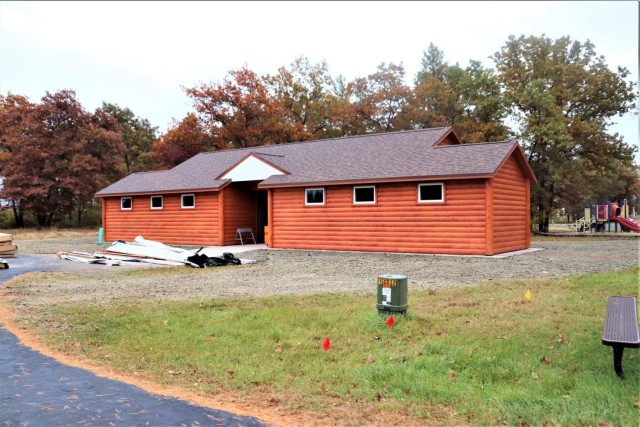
(392, 294)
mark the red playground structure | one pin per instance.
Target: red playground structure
(621, 216)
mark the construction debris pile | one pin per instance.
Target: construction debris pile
(7, 247)
(152, 252)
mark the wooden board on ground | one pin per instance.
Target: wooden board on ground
(7, 248)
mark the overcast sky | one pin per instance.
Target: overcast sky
(140, 54)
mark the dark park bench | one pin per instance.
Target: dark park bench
(621, 328)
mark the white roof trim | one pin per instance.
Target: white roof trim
(251, 169)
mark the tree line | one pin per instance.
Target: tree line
(559, 94)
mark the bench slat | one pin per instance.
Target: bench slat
(621, 322)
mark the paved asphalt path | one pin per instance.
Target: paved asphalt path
(36, 390)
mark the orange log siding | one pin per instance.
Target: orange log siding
(397, 223)
(510, 208)
(477, 217)
(488, 197)
(171, 225)
(239, 209)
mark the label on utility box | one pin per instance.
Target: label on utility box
(387, 283)
(386, 296)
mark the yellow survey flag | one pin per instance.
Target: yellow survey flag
(528, 295)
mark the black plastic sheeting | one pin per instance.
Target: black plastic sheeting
(204, 261)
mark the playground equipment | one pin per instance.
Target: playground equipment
(620, 214)
(607, 216)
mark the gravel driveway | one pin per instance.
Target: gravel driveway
(302, 272)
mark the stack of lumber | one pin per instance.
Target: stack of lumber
(7, 248)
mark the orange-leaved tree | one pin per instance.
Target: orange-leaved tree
(307, 93)
(379, 99)
(182, 141)
(56, 155)
(240, 112)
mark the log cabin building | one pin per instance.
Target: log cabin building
(419, 191)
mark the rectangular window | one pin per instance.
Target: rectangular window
(126, 204)
(156, 202)
(188, 201)
(364, 195)
(313, 196)
(430, 193)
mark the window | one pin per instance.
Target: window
(314, 196)
(364, 195)
(429, 193)
(126, 204)
(188, 201)
(156, 202)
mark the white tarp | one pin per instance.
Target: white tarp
(141, 241)
(153, 251)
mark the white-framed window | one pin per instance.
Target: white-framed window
(188, 201)
(431, 193)
(156, 202)
(126, 203)
(314, 196)
(364, 195)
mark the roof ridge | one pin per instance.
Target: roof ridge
(337, 138)
(380, 133)
(156, 171)
(467, 144)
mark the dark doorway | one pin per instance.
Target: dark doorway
(262, 214)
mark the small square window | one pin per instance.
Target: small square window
(188, 201)
(314, 196)
(156, 202)
(364, 195)
(430, 193)
(126, 204)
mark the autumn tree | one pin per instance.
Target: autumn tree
(344, 118)
(307, 94)
(182, 141)
(56, 155)
(622, 182)
(563, 97)
(378, 99)
(13, 110)
(138, 137)
(240, 112)
(97, 165)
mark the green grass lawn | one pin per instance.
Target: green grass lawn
(477, 355)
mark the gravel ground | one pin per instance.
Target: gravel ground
(302, 272)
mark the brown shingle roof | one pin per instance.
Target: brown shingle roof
(365, 158)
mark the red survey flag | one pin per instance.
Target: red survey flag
(390, 321)
(326, 344)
